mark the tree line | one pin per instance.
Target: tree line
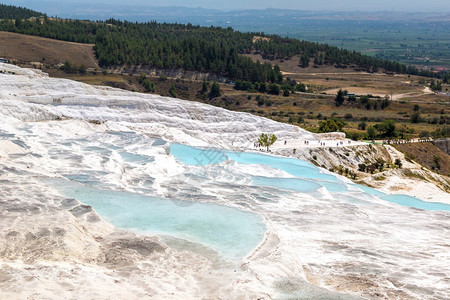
(323, 54)
(14, 12)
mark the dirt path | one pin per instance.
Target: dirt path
(425, 91)
(357, 91)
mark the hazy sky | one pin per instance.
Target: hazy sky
(329, 5)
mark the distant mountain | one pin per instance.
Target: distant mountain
(202, 16)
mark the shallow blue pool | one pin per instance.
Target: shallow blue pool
(230, 231)
(308, 179)
(198, 156)
(414, 202)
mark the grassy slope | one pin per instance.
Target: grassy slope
(25, 48)
(425, 153)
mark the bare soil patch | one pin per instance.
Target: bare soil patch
(26, 48)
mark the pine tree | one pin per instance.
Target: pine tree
(339, 100)
(215, 90)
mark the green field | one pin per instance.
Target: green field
(421, 43)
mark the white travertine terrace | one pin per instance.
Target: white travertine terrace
(319, 245)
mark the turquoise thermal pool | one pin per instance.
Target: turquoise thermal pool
(231, 232)
(308, 178)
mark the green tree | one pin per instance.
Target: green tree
(415, 117)
(436, 86)
(300, 87)
(262, 87)
(371, 132)
(267, 140)
(260, 100)
(330, 125)
(340, 97)
(173, 91)
(274, 89)
(304, 61)
(385, 102)
(82, 69)
(215, 90)
(204, 87)
(362, 125)
(387, 128)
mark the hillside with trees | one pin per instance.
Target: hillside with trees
(194, 48)
(14, 12)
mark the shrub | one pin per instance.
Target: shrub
(409, 157)
(436, 163)
(385, 102)
(362, 126)
(300, 87)
(348, 116)
(69, 68)
(274, 89)
(173, 91)
(424, 134)
(371, 132)
(415, 117)
(352, 98)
